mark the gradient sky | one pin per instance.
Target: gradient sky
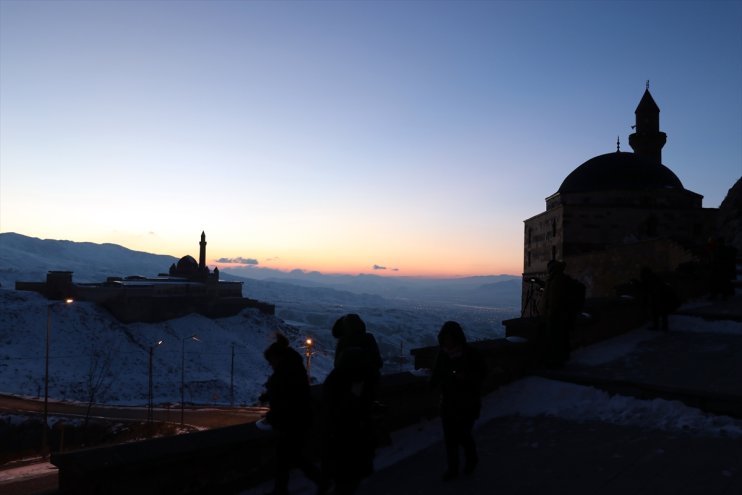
(336, 136)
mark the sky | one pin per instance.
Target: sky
(395, 138)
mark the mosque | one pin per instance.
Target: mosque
(189, 287)
(618, 212)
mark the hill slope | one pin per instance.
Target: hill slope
(83, 330)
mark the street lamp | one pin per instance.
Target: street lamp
(182, 372)
(308, 352)
(46, 370)
(150, 405)
(231, 380)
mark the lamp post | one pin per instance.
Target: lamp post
(231, 380)
(182, 372)
(308, 352)
(49, 307)
(150, 405)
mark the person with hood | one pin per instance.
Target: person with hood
(659, 297)
(560, 314)
(458, 373)
(350, 332)
(290, 413)
(347, 423)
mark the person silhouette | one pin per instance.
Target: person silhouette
(350, 332)
(290, 414)
(458, 373)
(659, 297)
(562, 303)
(348, 430)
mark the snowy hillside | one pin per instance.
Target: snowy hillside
(86, 340)
(82, 330)
(28, 259)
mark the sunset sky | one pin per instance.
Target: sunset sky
(343, 136)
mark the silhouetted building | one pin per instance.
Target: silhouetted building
(618, 212)
(189, 287)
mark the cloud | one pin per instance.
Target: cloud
(239, 259)
(381, 267)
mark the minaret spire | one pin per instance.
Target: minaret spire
(648, 140)
(202, 252)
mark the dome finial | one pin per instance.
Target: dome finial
(647, 84)
(618, 144)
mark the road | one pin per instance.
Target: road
(198, 416)
(40, 477)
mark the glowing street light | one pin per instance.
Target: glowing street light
(150, 405)
(309, 344)
(182, 372)
(49, 307)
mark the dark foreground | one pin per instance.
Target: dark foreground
(546, 455)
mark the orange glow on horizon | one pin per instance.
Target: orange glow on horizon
(507, 267)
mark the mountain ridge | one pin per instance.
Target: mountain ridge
(31, 257)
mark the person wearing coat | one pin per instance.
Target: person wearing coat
(559, 318)
(290, 414)
(458, 373)
(347, 422)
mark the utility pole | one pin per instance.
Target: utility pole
(231, 380)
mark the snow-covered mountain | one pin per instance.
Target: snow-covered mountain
(480, 290)
(86, 339)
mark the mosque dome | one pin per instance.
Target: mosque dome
(187, 265)
(619, 171)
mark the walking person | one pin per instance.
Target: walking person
(350, 332)
(458, 372)
(290, 414)
(659, 297)
(563, 300)
(347, 422)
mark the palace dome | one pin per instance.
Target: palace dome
(187, 265)
(619, 171)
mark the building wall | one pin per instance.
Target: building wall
(590, 228)
(542, 241)
(605, 244)
(603, 272)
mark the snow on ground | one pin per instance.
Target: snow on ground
(617, 347)
(85, 340)
(536, 396)
(682, 323)
(610, 350)
(15, 474)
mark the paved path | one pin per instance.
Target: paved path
(546, 455)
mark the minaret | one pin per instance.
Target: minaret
(648, 140)
(202, 253)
